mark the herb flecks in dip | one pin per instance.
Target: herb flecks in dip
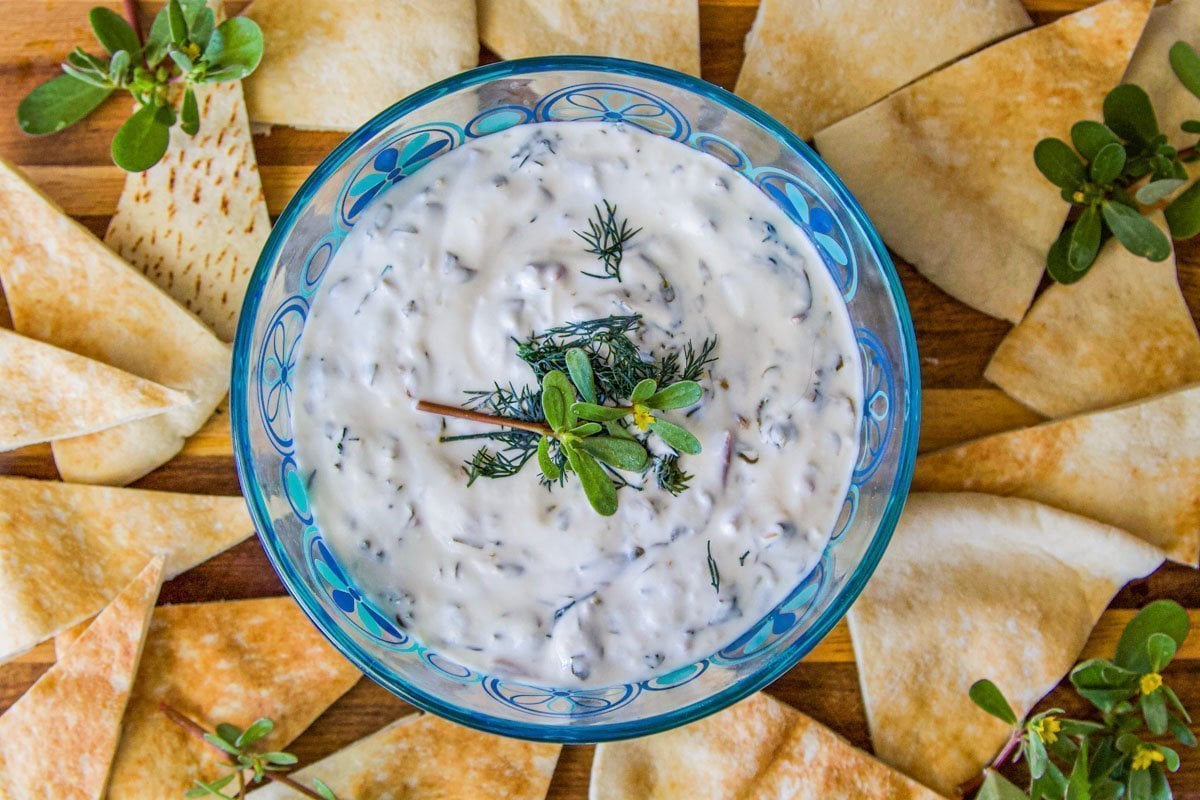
(424, 300)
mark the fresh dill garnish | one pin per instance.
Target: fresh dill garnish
(669, 475)
(714, 574)
(606, 238)
(742, 558)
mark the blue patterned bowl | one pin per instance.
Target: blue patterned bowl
(399, 142)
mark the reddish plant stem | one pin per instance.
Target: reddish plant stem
(199, 731)
(131, 14)
(487, 419)
(968, 788)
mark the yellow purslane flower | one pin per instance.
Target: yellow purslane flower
(1150, 681)
(1145, 756)
(642, 416)
(1047, 729)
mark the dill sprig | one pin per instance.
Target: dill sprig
(669, 475)
(606, 238)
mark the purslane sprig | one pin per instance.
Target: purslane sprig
(1105, 758)
(185, 48)
(1114, 172)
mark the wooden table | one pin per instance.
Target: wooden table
(955, 344)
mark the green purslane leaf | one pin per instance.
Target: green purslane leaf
(1139, 235)
(1084, 244)
(1137, 785)
(1091, 137)
(1154, 709)
(181, 59)
(1129, 114)
(624, 454)
(235, 48)
(1057, 161)
(1108, 164)
(257, 730)
(580, 370)
(676, 437)
(643, 390)
(1159, 790)
(988, 696)
(322, 788)
(1078, 784)
(176, 23)
(1191, 126)
(597, 486)
(554, 399)
(221, 744)
(598, 412)
(545, 463)
(1161, 616)
(586, 429)
(113, 32)
(1161, 649)
(142, 139)
(1173, 700)
(1100, 673)
(157, 40)
(1155, 191)
(1179, 729)
(1185, 61)
(189, 113)
(997, 787)
(118, 67)
(280, 759)
(201, 25)
(677, 395)
(1183, 214)
(228, 732)
(1057, 265)
(57, 104)
(1035, 752)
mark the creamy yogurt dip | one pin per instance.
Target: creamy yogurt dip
(423, 301)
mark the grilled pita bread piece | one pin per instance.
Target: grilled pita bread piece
(1150, 68)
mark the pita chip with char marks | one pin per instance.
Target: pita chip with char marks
(977, 586)
(67, 549)
(385, 51)
(1136, 467)
(54, 394)
(65, 288)
(1123, 332)
(944, 166)
(422, 757)
(232, 662)
(1150, 68)
(58, 740)
(663, 32)
(814, 62)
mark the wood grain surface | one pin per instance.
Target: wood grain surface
(955, 343)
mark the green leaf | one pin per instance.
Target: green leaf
(1035, 751)
(200, 25)
(1154, 191)
(1183, 214)
(142, 140)
(624, 454)
(88, 75)
(1154, 709)
(1171, 757)
(1085, 240)
(1057, 161)
(988, 696)
(1185, 61)
(676, 437)
(586, 429)
(118, 67)
(1161, 616)
(220, 743)
(1137, 785)
(1159, 790)
(257, 730)
(1161, 649)
(229, 732)
(1173, 700)
(1104, 699)
(1139, 235)
(643, 390)
(1090, 138)
(597, 486)
(322, 788)
(113, 32)
(580, 369)
(555, 387)
(177, 23)
(1191, 125)
(677, 395)
(236, 47)
(57, 104)
(615, 429)
(189, 113)
(1057, 265)
(1052, 784)
(181, 59)
(1180, 731)
(598, 412)
(1107, 790)
(1100, 673)
(158, 39)
(997, 787)
(545, 463)
(280, 759)
(1108, 164)
(1129, 114)
(1078, 785)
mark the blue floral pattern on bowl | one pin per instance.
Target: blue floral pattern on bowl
(386, 151)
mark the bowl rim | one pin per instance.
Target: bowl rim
(242, 365)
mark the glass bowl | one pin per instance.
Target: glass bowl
(399, 142)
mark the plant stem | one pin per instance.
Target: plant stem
(487, 419)
(131, 14)
(198, 730)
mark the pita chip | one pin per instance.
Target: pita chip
(663, 32)
(1136, 467)
(332, 65)
(67, 549)
(76, 706)
(812, 63)
(196, 221)
(64, 287)
(1150, 68)
(976, 586)
(1121, 333)
(431, 759)
(718, 757)
(221, 662)
(944, 167)
(53, 394)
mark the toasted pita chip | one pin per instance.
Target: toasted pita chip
(432, 759)
(945, 166)
(1121, 333)
(66, 288)
(814, 762)
(717, 757)
(66, 549)
(975, 586)
(196, 221)
(221, 662)
(663, 32)
(1136, 467)
(52, 394)
(59, 739)
(64, 640)
(331, 65)
(1150, 68)
(812, 63)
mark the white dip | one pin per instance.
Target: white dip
(423, 301)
